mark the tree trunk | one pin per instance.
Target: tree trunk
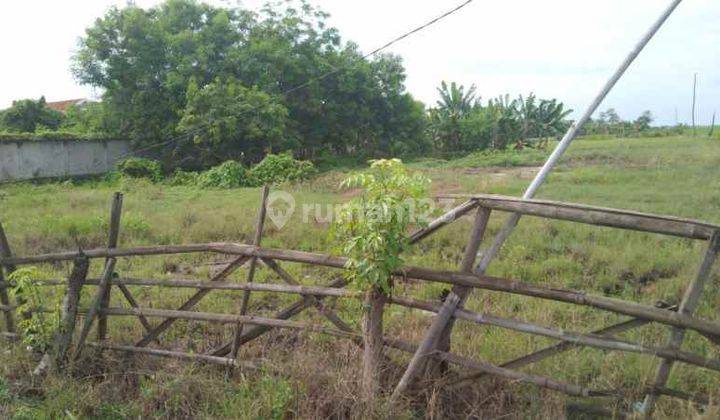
(373, 344)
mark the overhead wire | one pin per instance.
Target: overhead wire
(325, 75)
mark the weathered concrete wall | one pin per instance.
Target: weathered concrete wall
(30, 159)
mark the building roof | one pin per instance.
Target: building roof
(63, 106)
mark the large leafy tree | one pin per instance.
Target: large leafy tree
(146, 59)
(226, 120)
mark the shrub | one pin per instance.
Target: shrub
(229, 174)
(181, 177)
(136, 167)
(37, 329)
(373, 227)
(275, 169)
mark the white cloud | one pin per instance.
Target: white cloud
(556, 48)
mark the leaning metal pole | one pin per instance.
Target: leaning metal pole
(571, 134)
(430, 340)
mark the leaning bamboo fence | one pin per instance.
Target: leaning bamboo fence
(249, 327)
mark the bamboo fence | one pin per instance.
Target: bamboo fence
(432, 352)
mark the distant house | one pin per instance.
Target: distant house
(63, 106)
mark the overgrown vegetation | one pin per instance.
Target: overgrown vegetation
(313, 376)
(373, 227)
(273, 169)
(136, 167)
(36, 326)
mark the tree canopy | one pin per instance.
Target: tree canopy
(168, 70)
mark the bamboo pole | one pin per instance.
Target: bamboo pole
(301, 305)
(439, 328)
(690, 301)
(443, 221)
(275, 323)
(694, 96)
(228, 319)
(329, 314)
(251, 272)
(474, 280)
(192, 301)
(68, 317)
(294, 288)
(113, 235)
(9, 268)
(594, 215)
(452, 301)
(605, 343)
(223, 361)
(553, 350)
(95, 308)
(290, 311)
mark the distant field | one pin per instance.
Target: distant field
(677, 176)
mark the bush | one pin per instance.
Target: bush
(181, 177)
(275, 169)
(229, 174)
(136, 167)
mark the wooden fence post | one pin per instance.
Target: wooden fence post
(438, 329)
(251, 270)
(482, 217)
(4, 298)
(114, 233)
(690, 301)
(372, 344)
(68, 317)
(95, 305)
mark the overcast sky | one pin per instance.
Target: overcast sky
(556, 48)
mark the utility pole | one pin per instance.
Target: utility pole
(694, 97)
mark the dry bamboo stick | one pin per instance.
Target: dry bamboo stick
(251, 272)
(228, 319)
(599, 216)
(558, 348)
(324, 311)
(95, 306)
(443, 221)
(190, 303)
(275, 323)
(589, 340)
(633, 309)
(286, 313)
(690, 301)
(4, 297)
(113, 235)
(223, 361)
(468, 363)
(204, 284)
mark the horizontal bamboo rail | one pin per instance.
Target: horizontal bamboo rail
(204, 284)
(226, 319)
(600, 216)
(589, 340)
(484, 319)
(275, 323)
(633, 309)
(223, 361)
(558, 348)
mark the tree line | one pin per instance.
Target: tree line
(216, 83)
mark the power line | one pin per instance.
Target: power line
(336, 70)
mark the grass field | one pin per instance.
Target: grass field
(309, 375)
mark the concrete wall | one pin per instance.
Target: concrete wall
(30, 159)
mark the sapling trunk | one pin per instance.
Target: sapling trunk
(373, 343)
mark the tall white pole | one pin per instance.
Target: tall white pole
(453, 300)
(570, 136)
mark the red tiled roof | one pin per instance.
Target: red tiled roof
(63, 106)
